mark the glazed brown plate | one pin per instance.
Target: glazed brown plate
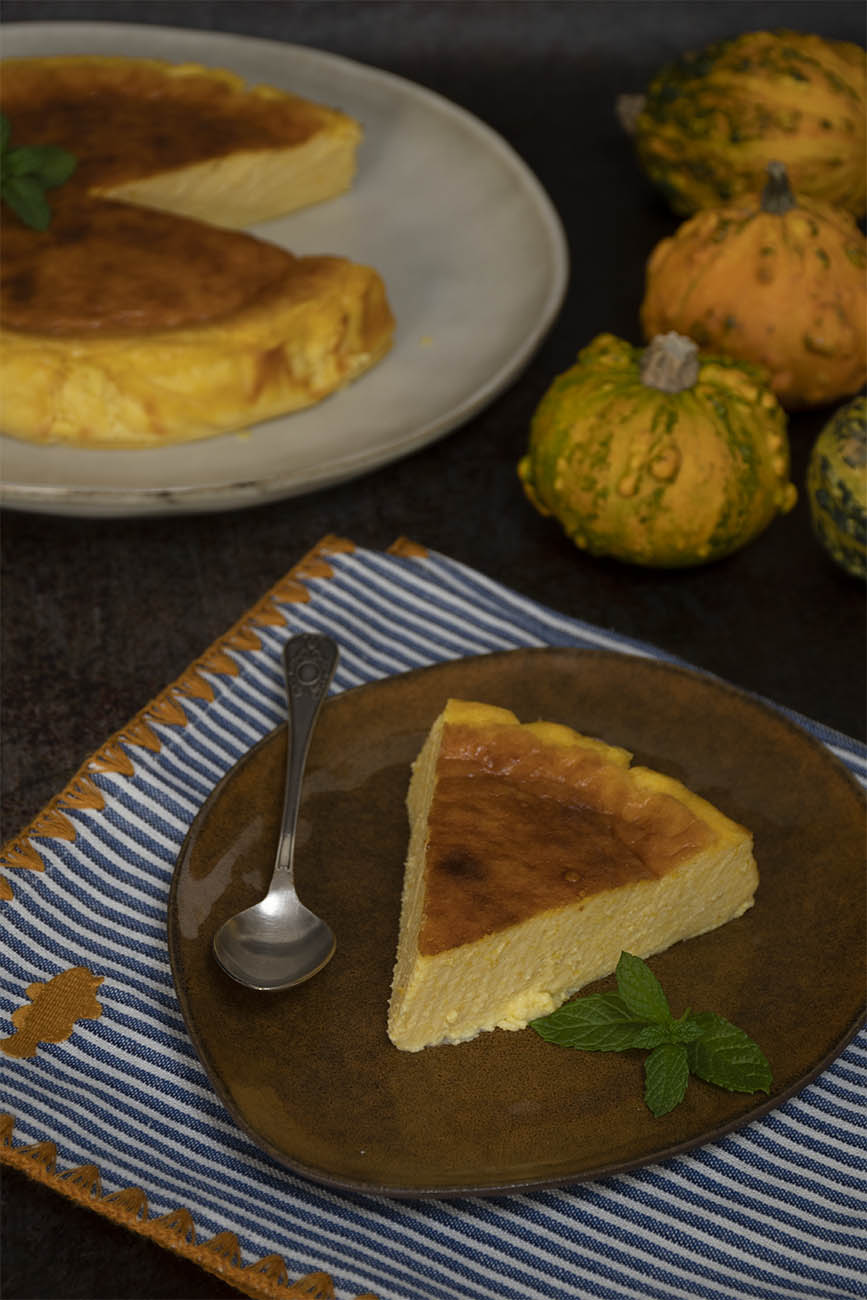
(309, 1073)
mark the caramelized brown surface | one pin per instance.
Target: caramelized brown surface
(112, 268)
(137, 121)
(516, 827)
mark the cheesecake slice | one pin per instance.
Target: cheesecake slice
(181, 137)
(536, 856)
(143, 316)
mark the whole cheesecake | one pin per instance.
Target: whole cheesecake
(142, 315)
(536, 856)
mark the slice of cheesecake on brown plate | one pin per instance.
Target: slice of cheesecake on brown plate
(536, 856)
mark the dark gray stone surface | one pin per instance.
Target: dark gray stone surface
(99, 615)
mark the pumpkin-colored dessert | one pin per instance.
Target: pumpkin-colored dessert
(775, 279)
(712, 119)
(181, 137)
(536, 856)
(139, 317)
(659, 456)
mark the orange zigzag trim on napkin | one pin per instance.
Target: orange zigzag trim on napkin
(264, 1279)
(167, 709)
(409, 549)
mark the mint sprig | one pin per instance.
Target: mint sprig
(638, 1016)
(26, 172)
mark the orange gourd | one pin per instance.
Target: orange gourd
(775, 280)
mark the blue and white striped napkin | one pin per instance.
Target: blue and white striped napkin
(121, 1110)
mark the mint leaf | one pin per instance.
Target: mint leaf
(48, 164)
(598, 1023)
(641, 990)
(21, 162)
(726, 1056)
(686, 1029)
(26, 172)
(26, 198)
(666, 1074)
(652, 1036)
(638, 1016)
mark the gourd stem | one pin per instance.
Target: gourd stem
(669, 363)
(628, 109)
(777, 195)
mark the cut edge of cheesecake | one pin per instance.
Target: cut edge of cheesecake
(250, 187)
(515, 973)
(246, 186)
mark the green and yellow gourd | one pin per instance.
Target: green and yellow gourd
(772, 278)
(712, 120)
(837, 487)
(658, 456)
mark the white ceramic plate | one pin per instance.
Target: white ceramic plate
(472, 252)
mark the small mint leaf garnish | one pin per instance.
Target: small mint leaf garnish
(26, 172)
(638, 1016)
(599, 1023)
(666, 1074)
(641, 990)
(686, 1029)
(652, 1036)
(26, 198)
(728, 1057)
(49, 164)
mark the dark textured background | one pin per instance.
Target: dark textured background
(100, 615)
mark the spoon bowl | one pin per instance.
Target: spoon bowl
(278, 942)
(274, 944)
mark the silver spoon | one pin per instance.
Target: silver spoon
(279, 942)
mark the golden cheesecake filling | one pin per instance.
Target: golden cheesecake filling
(515, 827)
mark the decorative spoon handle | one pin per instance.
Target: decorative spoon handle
(309, 661)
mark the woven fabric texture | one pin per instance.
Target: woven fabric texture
(116, 1109)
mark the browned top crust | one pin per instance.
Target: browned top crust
(152, 271)
(110, 268)
(517, 827)
(139, 119)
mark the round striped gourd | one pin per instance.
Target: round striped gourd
(837, 487)
(773, 279)
(658, 456)
(712, 120)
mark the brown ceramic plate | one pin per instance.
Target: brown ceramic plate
(310, 1074)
